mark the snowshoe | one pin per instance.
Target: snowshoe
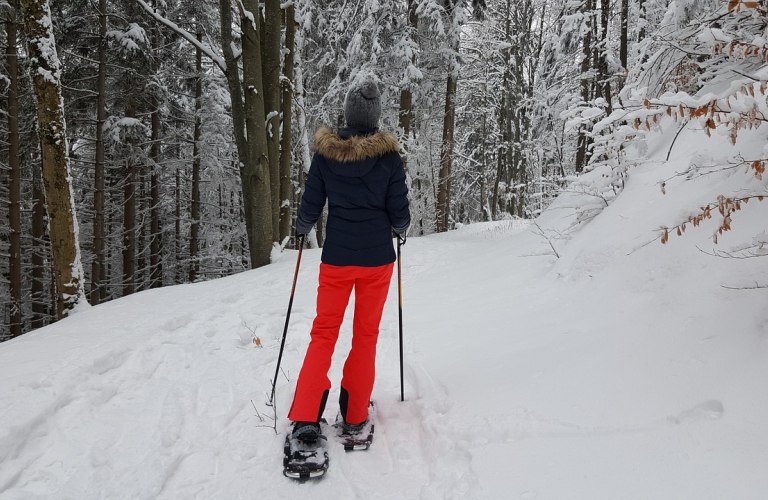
(356, 437)
(305, 452)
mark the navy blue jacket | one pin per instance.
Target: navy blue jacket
(361, 174)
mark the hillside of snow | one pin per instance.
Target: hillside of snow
(622, 369)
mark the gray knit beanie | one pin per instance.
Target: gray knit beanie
(362, 107)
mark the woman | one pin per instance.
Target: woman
(360, 172)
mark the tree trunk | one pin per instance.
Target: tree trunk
(522, 26)
(301, 115)
(305, 157)
(270, 71)
(233, 83)
(624, 40)
(446, 156)
(14, 162)
(112, 225)
(503, 120)
(484, 157)
(194, 229)
(583, 141)
(156, 235)
(38, 253)
(518, 161)
(286, 184)
(406, 96)
(129, 219)
(45, 69)
(179, 273)
(255, 174)
(141, 239)
(605, 78)
(97, 267)
(249, 119)
(641, 8)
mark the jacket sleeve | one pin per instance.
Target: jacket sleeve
(313, 199)
(397, 199)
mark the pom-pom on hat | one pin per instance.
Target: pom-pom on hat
(362, 107)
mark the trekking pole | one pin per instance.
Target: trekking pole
(287, 319)
(400, 317)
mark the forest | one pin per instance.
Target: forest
(147, 143)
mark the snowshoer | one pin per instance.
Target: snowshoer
(359, 171)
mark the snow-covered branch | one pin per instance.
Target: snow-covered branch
(218, 60)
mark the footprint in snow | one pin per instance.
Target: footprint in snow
(176, 323)
(708, 410)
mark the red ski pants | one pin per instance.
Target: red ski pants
(371, 285)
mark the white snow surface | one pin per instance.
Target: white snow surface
(625, 369)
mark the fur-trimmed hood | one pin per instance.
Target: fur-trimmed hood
(356, 148)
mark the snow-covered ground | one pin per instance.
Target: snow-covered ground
(624, 369)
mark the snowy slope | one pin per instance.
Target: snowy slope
(623, 369)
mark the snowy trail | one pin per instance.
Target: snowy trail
(157, 405)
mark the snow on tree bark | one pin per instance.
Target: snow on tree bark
(45, 68)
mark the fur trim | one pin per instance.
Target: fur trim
(330, 145)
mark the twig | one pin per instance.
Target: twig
(643, 246)
(675, 139)
(730, 255)
(541, 233)
(756, 287)
(257, 411)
